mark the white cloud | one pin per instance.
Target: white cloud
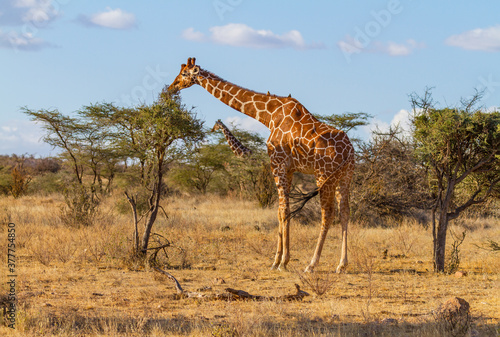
(21, 137)
(485, 39)
(32, 16)
(248, 124)
(398, 49)
(401, 119)
(241, 35)
(351, 45)
(18, 41)
(492, 109)
(36, 11)
(110, 18)
(192, 35)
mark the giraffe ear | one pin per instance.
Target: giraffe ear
(183, 66)
(196, 70)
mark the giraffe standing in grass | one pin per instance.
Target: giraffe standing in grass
(298, 142)
(238, 149)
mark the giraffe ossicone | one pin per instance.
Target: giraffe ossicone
(298, 142)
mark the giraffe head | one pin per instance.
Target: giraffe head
(217, 125)
(187, 76)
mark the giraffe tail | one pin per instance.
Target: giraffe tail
(300, 200)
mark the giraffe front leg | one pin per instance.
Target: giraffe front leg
(285, 257)
(279, 249)
(283, 248)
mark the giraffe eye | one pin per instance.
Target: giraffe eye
(184, 73)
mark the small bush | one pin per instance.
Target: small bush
(123, 206)
(20, 181)
(5, 181)
(318, 284)
(82, 206)
(47, 183)
(265, 188)
(454, 259)
(50, 165)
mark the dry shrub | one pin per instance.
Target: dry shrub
(265, 187)
(52, 244)
(20, 181)
(104, 242)
(319, 283)
(42, 249)
(81, 206)
(65, 249)
(365, 262)
(224, 330)
(454, 255)
(404, 238)
(310, 214)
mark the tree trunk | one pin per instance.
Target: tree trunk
(154, 204)
(133, 204)
(440, 242)
(150, 223)
(442, 228)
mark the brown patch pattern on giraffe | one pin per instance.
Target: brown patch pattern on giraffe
(298, 142)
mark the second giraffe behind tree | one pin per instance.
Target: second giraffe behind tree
(238, 149)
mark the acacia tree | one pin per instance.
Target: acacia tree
(86, 140)
(61, 133)
(460, 146)
(200, 166)
(213, 166)
(388, 181)
(154, 133)
(98, 142)
(83, 144)
(346, 122)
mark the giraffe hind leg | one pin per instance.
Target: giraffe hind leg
(344, 221)
(328, 210)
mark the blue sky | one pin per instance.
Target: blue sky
(333, 56)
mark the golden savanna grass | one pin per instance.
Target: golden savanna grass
(81, 281)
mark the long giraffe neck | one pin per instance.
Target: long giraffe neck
(251, 103)
(238, 149)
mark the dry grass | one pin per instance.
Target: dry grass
(75, 282)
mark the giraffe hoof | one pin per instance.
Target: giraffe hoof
(274, 267)
(282, 268)
(309, 269)
(341, 269)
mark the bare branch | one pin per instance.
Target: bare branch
(473, 201)
(171, 277)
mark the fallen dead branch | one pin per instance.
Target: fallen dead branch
(171, 277)
(231, 294)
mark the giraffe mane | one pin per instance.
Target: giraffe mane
(236, 85)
